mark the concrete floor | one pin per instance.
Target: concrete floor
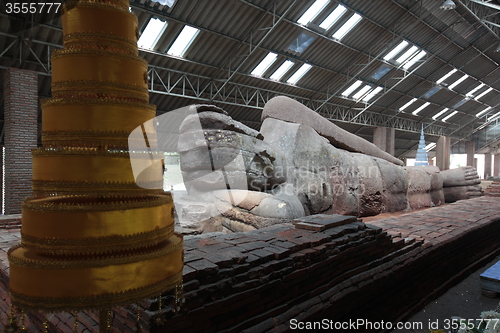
(463, 300)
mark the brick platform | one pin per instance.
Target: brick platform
(493, 190)
(257, 281)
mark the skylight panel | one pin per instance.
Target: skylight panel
(312, 12)
(264, 64)
(462, 102)
(396, 50)
(343, 30)
(473, 91)
(299, 73)
(152, 33)
(450, 73)
(413, 60)
(430, 146)
(480, 113)
(333, 17)
(411, 51)
(421, 108)
(457, 82)
(278, 74)
(483, 93)
(381, 72)
(361, 92)
(493, 117)
(372, 94)
(183, 41)
(432, 91)
(407, 104)
(440, 113)
(302, 42)
(450, 115)
(353, 87)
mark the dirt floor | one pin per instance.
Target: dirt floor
(463, 300)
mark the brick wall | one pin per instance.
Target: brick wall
(21, 111)
(1, 177)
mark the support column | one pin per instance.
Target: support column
(443, 153)
(470, 150)
(487, 165)
(390, 140)
(384, 138)
(496, 165)
(380, 137)
(21, 110)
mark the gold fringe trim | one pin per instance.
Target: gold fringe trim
(116, 102)
(95, 260)
(73, 85)
(101, 46)
(103, 189)
(94, 53)
(94, 245)
(97, 302)
(98, 37)
(104, 95)
(94, 204)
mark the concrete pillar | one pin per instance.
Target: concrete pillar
(496, 165)
(390, 140)
(470, 150)
(443, 153)
(380, 137)
(384, 138)
(487, 166)
(21, 111)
